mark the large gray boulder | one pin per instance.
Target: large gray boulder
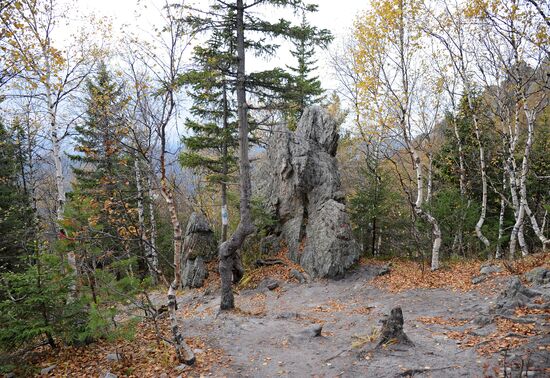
(199, 247)
(299, 179)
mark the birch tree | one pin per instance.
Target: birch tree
(389, 41)
(514, 36)
(51, 74)
(449, 27)
(162, 61)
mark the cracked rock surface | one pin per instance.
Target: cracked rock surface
(300, 182)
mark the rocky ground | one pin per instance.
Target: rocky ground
(460, 330)
(272, 335)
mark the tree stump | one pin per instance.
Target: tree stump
(392, 330)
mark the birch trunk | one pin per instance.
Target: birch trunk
(483, 213)
(462, 184)
(523, 185)
(183, 352)
(56, 155)
(498, 253)
(153, 232)
(145, 246)
(462, 174)
(534, 223)
(436, 230)
(229, 266)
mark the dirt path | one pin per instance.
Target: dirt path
(265, 338)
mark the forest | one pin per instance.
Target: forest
(249, 188)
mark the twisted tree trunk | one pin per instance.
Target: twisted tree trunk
(230, 267)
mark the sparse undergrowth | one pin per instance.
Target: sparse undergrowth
(457, 275)
(146, 356)
(143, 356)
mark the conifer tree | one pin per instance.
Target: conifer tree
(213, 141)
(15, 209)
(103, 188)
(304, 87)
(266, 87)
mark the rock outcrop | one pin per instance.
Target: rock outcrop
(538, 276)
(299, 180)
(515, 295)
(199, 247)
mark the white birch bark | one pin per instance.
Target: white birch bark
(436, 231)
(498, 252)
(522, 185)
(153, 231)
(145, 243)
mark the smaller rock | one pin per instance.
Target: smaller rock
(299, 276)
(47, 370)
(269, 283)
(479, 279)
(488, 269)
(273, 285)
(313, 330)
(114, 357)
(163, 375)
(109, 375)
(538, 276)
(198, 351)
(182, 367)
(514, 296)
(384, 269)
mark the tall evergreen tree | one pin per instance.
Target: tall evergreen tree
(103, 189)
(213, 143)
(254, 34)
(304, 87)
(15, 208)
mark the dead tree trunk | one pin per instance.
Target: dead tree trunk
(230, 267)
(392, 330)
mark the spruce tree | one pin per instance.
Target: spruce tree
(251, 33)
(103, 189)
(304, 87)
(213, 141)
(15, 209)
(287, 91)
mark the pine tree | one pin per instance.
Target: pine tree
(213, 141)
(15, 210)
(304, 87)
(253, 34)
(103, 189)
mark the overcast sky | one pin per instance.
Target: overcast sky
(335, 15)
